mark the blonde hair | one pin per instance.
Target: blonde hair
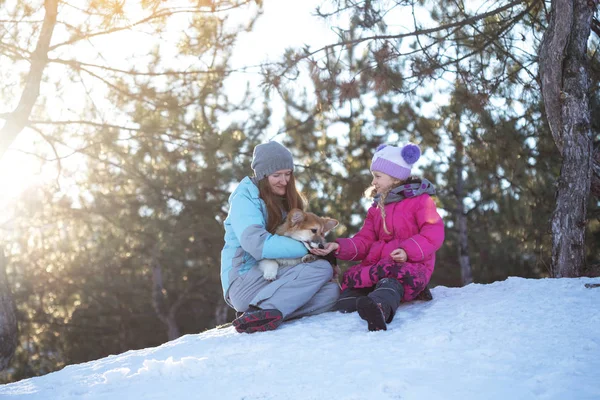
(370, 193)
(292, 199)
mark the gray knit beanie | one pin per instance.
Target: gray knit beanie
(270, 157)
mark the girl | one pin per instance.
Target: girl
(256, 208)
(397, 243)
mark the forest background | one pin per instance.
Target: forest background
(141, 116)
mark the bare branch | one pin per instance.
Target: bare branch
(39, 59)
(58, 158)
(160, 14)
(506, 53)
(82, 122)
(79, 65)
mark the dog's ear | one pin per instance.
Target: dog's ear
(330, 223)
(295, 216)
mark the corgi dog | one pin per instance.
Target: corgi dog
(305, 227)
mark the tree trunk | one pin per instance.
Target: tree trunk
(173, 331)
(164, 312)
(8, 318)
(595, 188)
(17, 120)
(466, 273)
(565, 89)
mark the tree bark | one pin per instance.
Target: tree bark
(164, 312)
(595, 188)
(466, 273)
(17, 120)
(8, 318)
(565, 82)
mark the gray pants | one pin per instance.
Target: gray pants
(304, 289)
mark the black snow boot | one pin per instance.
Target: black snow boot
(372, 312)
(346, 303)
(379, 306)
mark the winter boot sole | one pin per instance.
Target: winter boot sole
(258, 321)
(372, 313)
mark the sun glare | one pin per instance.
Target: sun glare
(18, 171)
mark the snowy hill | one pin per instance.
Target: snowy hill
(517, 339)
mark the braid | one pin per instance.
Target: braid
(381, 202)
(381, 206)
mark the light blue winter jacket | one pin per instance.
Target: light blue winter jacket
(246, 237)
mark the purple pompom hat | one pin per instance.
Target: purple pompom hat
(395, 161)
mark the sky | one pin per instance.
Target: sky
(283, 24)
(515, 339)
(274, 32)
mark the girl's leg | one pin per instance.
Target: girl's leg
(347, 301)
(388, 292)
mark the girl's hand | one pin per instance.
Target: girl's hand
(399, 256)
(329, 247)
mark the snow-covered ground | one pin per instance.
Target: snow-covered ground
(516, 339)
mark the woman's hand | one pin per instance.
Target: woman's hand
(399, 256)
(329, 247)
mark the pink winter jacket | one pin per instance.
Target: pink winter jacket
(414, 226)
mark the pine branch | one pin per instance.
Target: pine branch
(415, 33)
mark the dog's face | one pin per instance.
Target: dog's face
(307, 228)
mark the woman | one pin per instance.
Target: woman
(256, 207)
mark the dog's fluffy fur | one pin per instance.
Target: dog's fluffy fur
(305, 227)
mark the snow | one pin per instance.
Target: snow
(515, 339)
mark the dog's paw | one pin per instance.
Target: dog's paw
(269, 269)
(270, 275)
(309, 258)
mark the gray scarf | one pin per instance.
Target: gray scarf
(407, 190)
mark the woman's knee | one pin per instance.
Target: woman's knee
(321, 268)
(328, 294)
(333, 291)
(238, 304)
(244, 288)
